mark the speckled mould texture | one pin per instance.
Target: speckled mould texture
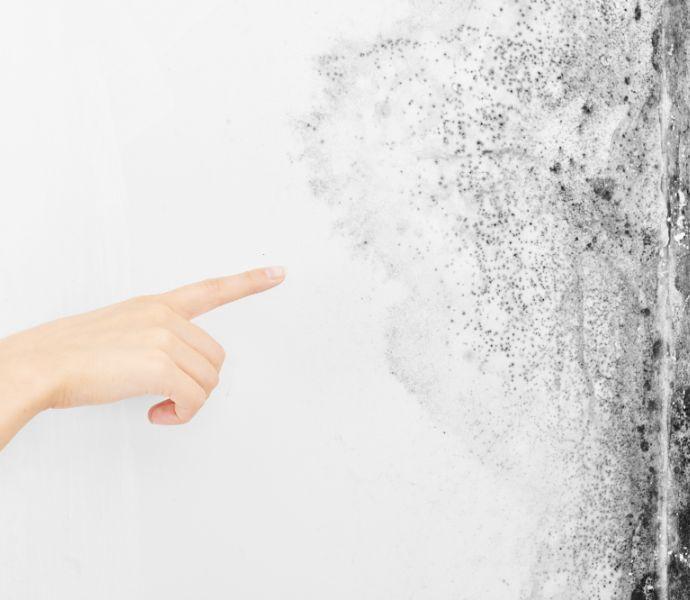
(520, 167)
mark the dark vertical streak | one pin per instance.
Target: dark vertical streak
(672, 54)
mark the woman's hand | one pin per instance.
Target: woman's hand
(146, 345)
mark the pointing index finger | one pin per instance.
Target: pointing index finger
(197, 298)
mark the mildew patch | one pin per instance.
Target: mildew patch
(505, 163)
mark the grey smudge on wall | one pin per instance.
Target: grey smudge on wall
(520, 166)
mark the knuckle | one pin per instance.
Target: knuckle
(220, 354)
(212, 348)
(141, 300)
(158, 312)
(196, 400)
(163, 338)
(212, 287)
(161, 365)
(253, 281)
(214, 379)
(151, 308)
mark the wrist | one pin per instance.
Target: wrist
(26, 393)
(28, 385)
(17, 408)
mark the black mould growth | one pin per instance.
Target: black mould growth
(507, 174)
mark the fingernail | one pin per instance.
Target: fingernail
(275, 273)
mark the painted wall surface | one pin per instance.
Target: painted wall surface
(474, 383)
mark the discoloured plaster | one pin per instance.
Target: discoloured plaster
(520, 166)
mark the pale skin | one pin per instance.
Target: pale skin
(146, 345)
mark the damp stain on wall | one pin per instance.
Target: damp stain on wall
(520, 166)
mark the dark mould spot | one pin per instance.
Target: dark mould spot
(686, 403)
(678, 574)
(656, 38)
(638, 12)
(603, 187)
(645, 589)
(646, 312)
(555, 168)
(678, 568)
(684, 526)
(627, 80)
(587, 109)
(656, 349)
(644, 445)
